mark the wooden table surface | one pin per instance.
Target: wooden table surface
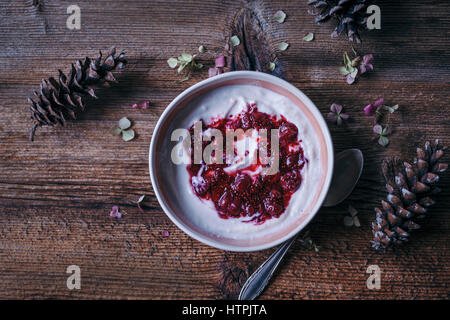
(56, 192)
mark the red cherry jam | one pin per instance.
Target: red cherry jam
(240, 194)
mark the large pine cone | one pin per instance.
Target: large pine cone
(351, 16)
(58, 100)
(410, 187)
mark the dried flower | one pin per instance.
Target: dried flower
(213, 72)
(354, 68)
(376, 110)
(272, 66)
(308, 243)
(336, 115)
(185, 60)
(381, 134)
(366, 64)
(115, 212)
(165, 233)
(283, 46)
(128, 135)
(220, 62)
(309, 37)
(372, 108)
(201, 49)
(235, 41)
(123, 128)
(352, 219)
(141, 105)
(391, 109)
(172, 62)
(279, 16)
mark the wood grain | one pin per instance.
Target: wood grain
(56, 193)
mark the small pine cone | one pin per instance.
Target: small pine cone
(409, 188)
(351, 16)
(58, 100)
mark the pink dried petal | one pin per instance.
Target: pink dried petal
(140, 208)
(377, 129)
(362, 69)
(336, 108)
(165, 233)
(350, 79)
(344, 116)
(368, 58)
(144, 105)
(134, 106)
(369, 110)
(115, 212)
(220, 62)
(332, 117)
(219, 70)
(378, 103)
(212, 72)
(339, 121)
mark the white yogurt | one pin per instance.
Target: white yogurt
(231, 100)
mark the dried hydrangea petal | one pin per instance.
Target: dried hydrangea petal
(332, 117)
(350, 79)
(378, 103)
(377, 129)
(283, 46)
(336, 108)
(172, 62)
(369, 110)
(309, 37)
(348, 221)
(272, 66)
(353, 212)
(116, 131)
(115, 212)
(124, 123)
(383, 140)
(128, 135)
(220, 62)
(235, 41)
(213, 72)
(279, 16)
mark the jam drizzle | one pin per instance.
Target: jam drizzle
(254, 196)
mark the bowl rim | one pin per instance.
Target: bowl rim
(253, 75)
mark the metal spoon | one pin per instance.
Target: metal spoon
(347, 170)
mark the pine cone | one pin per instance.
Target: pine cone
(350, 14)
(58, 100)
(410, 187)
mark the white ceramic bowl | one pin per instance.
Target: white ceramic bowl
(161, 172)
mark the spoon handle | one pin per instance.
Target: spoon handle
(256, 283)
